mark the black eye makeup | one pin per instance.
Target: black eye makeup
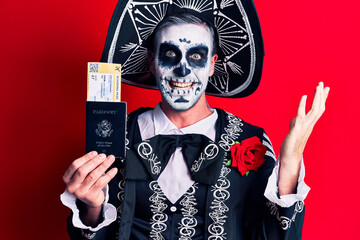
(169, 55)
(197, 56)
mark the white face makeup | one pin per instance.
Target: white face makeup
(182, 63)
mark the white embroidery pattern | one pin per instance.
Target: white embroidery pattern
(233, 38)
(145, 17)
(196, 5)
(87, 235)
(226, 3)
(120, 194)
(126, 138)
(121, 184)
(220, 192)
(210, 152)
(146, 152)
(188, 210)
(232, 132)
(285, 222)
(159, 218)
(137, 61)
(270, 151)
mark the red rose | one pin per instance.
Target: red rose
(248, 155)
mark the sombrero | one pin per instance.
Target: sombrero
(240, 44)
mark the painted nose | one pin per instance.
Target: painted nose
(182, 70)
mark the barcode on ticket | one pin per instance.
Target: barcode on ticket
(104, 82)
(93, 67)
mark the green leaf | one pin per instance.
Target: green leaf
(228, 163)
(236, 142)
(247, 173)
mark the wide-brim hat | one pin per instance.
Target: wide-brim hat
(240, 44)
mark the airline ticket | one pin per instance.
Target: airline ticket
(104, 82)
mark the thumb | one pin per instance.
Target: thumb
(292, 123)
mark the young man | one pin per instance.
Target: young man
(174, 182)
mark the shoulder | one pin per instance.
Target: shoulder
(135, 114)
(232, 129)
(132, 123)
(229, 121)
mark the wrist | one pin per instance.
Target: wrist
(89, 215)
(288, 176)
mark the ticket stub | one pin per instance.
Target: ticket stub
(104, 82)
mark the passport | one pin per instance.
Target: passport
(106, 127)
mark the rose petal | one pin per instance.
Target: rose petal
(248, 155)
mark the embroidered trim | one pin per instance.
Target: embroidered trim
(146, 152)
(210, 152)
(196, 5)
(285, 222)
(218, 206)
(158, 206)
(87, 235)
(188, 210)
(270, 151)
(120, 194)
(121, 184)
(226, 3)
(127, 143)
(232, 132)
(220, 192)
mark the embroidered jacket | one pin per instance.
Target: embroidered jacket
(221, 204)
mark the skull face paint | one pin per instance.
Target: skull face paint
(182, 63)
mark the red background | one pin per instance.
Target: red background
(45, 45)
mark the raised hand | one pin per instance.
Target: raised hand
(293, 146)
(85, 178)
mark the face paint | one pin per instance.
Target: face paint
(169, 55)
(182, 64)
(197, 56)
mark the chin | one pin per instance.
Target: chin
(181, 105)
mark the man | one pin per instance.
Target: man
(162, 192)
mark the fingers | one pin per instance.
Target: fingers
(96, 173)
(301, 107)
(104, 180)
(92, 194)
(82, 171)
(89, 173)
(301, 128)
(86, 177)
(76, 164)
(315, 107)
(318, 104)
(327, 90)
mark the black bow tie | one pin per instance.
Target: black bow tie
(203, 157)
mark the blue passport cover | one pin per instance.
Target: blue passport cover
(106, 127)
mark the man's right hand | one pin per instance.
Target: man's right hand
(85, 178)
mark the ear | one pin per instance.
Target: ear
(151, 61)
(212, 67)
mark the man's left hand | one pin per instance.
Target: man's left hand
(292, 148)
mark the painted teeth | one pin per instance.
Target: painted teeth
(181, 85)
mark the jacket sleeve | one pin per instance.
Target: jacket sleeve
(84, 234)
(269, 220)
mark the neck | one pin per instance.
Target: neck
(188, 117)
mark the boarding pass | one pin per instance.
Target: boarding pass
(104, 82)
